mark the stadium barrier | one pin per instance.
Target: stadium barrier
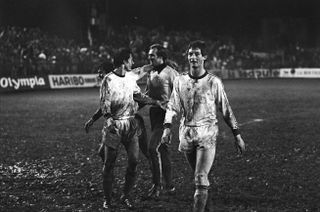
(250, 74)
(300, 73)
(8, 84)
(270, 73)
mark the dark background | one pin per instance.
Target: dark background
(240, 18)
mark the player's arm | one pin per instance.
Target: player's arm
(137, 74)
(171, 77)
(105, 103)
(141, 71)
(173, 108)
(94, 118)
(146, 93)
(147, 89)
(143, 99)
(228, 116)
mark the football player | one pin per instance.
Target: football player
(119, 94)
(199, 95)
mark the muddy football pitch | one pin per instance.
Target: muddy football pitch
(49, 163)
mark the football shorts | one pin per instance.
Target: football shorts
(199, 137)
(120, 131)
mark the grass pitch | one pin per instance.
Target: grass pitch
(49, 163)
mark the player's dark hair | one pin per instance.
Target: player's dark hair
(106, 66)
(122, 55)
(161, 51)
(198, 44)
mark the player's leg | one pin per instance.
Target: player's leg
(166, 168)
(156, 120)
(101, 151)
(111, 144)
(156, 163)
(186, 145)
(110, 155)
(204, 161)
(143, 138)
(192, 159)
(132, 148)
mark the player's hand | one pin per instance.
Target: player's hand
(147, 68)
(111, 125)
(239, 144)
(87, 125)
(162, 104)
(166, 136)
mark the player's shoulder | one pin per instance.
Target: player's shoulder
(182, 77)
(170, 69)
(213, 77)
(108, 77)
(130, 74)
(214, 80)
(172, 64)
(132, 77)
(109, 74)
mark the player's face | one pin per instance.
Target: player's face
(153, 57)
(195, 58)
(128, 64)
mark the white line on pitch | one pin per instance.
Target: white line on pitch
(251, 121)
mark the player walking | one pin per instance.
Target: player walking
(198, 95)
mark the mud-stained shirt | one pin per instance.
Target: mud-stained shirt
(198, 99)
(116, 96)
(160, 83)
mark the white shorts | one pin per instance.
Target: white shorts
(120, 131)
(202, 137)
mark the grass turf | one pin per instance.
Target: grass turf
(48, 163)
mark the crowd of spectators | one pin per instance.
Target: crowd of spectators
(30, 51)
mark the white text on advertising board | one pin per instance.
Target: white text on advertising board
(67, 80)
(72, 81)
(21, 82)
